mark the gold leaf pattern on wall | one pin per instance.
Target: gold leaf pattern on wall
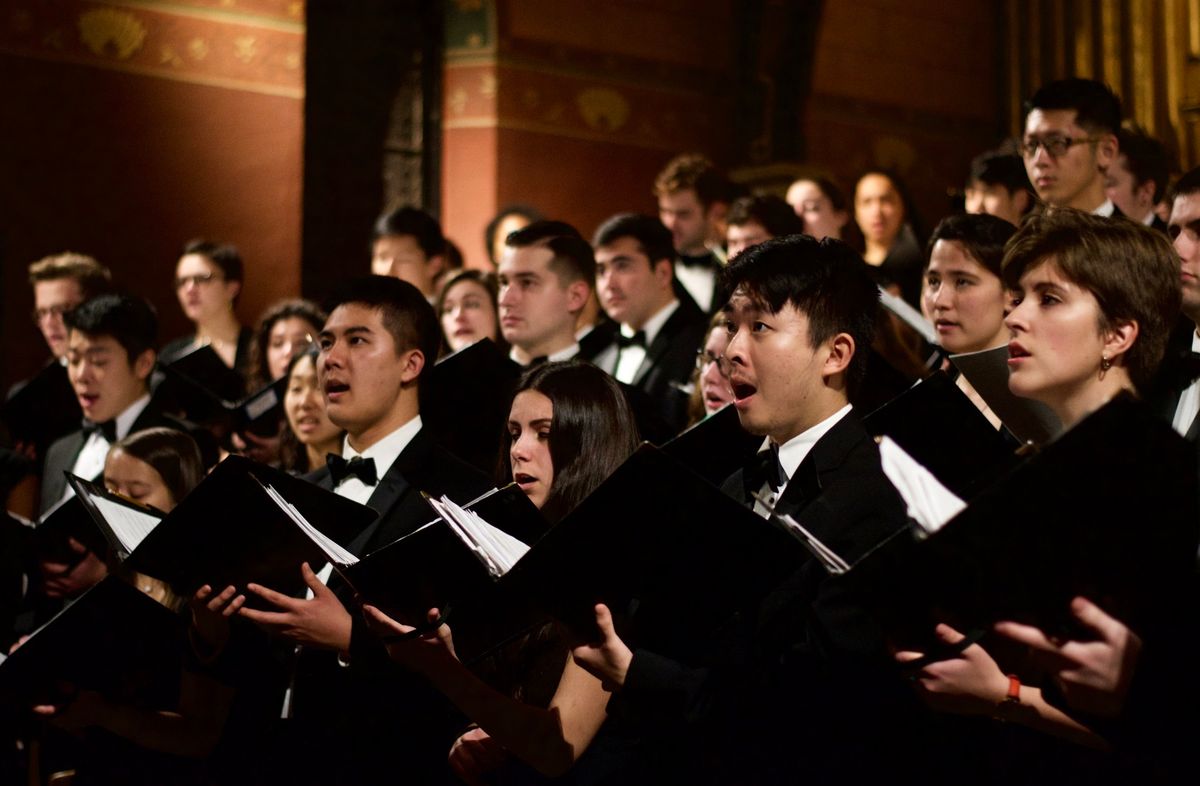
(168, 56)
(198, 48)
(245, 48)
(106, 32)
(603, 108)
(292, 61)
(457, 100)
(487, 85)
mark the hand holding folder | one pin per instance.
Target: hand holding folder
(320, 621)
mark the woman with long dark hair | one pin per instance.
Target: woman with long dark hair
(568, 429)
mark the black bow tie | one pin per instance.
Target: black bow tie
(767, 469)
(107, 429)
(702, 262)
(638, 339)
(538, 361)
(359, 467)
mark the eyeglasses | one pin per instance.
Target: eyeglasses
(39, 314)
(705, 358)
(199, 280)
(1054, 146)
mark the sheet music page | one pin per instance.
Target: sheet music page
(498, 550)
(332, 549)
(451, 515)
(504, 549)
(929, 503)
(130, 526)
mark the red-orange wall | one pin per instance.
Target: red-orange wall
(127, 157)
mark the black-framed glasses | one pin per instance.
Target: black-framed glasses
(1054, 145)
(200, 279)
(704, 358)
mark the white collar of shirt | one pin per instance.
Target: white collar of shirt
(566, 353)
(89, 462)
(1105, 209)
(124, 421)
(384, 452)
(1189, 400)
(1148, 219)
(794, 451)
(699, 283)
(654, 324)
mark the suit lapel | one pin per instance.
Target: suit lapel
(394, 485)
(661, 342)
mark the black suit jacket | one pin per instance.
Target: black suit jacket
(803, 684)
(385, 723)
(61, 455)
(670, 360)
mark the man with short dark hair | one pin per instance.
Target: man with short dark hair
(1070, 141)
(809, 671)
(546, 273)
(379, 340)
(998, 186)
(1137, 180)
(693, 199)
(752, 220)
(408, 244)
(655, 349)
(1178, 386)
(110, 354)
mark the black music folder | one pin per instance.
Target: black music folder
(657, 536)
(43, 409)
(229, 530)
(1027, 420)
(937, 425)
(123, 522)
(465, 402)
(207, 391)
(114, 638)
(66, 519)
(1108, 511)
(716, 447)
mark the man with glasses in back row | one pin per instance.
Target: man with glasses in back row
(1070, 141)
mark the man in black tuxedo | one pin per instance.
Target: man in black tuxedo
(1137, 180)
(655, 348)
(44, 408)
(1070, 142)
(804, 686)
(373, 721)
(110, 354)
(693, 198)
(1176, 391)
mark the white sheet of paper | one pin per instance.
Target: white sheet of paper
(929, 502)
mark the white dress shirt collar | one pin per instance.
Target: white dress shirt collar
(654, 324)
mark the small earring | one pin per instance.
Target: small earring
(1105, 363)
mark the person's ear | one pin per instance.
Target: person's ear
(1106, 151)
(1144, 192)
(435, 264)
(1119, 338)
(144, 364)
(414, 362)
(840, 350)
(232, 290)
(578, 293)
(664, 272)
